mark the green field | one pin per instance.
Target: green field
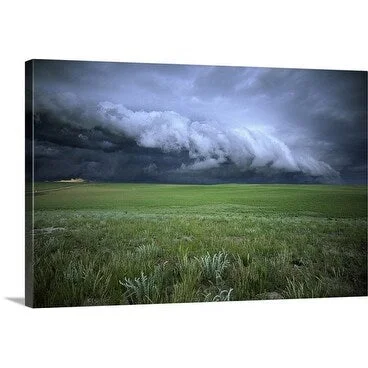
(148, 243)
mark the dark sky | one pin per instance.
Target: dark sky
(198, 124)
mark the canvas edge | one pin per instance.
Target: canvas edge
(29, 200)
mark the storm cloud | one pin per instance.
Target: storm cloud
(177, 123)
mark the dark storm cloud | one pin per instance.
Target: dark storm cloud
(146, 122)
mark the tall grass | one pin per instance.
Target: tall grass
(169, 251)
(213, 267)
(141, 290)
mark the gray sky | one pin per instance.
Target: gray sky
(203, 124)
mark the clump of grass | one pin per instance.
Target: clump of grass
(247, 278)
(222, 296)
(309, 287)
(187, 289)
(140, 290)
(149, 250)
(67, 281)
(213, 267)
(155, 287)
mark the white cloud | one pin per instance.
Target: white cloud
(208, 143)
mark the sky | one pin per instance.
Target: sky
(131, 122)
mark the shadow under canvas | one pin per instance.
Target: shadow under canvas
(17, 299)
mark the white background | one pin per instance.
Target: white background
(298, 333)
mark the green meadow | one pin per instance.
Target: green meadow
(98, 244)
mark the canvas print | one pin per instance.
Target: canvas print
(154, 183)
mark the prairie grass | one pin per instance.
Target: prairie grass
(141, 290)
(136, 244)
(213, 267)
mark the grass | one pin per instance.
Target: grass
(147, 243)
(213, 267)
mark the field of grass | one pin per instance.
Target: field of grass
(148, 243)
